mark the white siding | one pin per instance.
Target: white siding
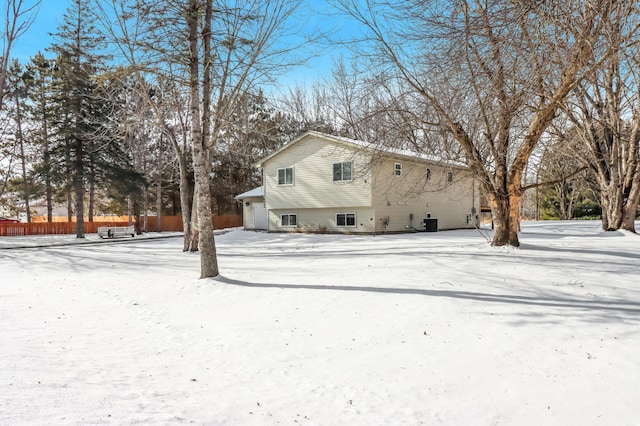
(247, 211)
(402, 202)
(312, 159)
(323, 220)
(382, 201)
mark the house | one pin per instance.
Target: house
(324, 183)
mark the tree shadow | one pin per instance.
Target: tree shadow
(580, 251)
(615, 306)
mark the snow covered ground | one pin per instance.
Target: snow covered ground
(428, 328)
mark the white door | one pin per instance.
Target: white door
(259, 216)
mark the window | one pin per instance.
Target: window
(346, 219)
(449, 177)
(289, 220)
(397, 169)
(428, 174)
(342, 171)
(285, 176)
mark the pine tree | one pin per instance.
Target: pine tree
(40, 110)
(78, 61)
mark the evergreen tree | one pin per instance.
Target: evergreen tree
(39, 77)
(78, 106)
(75, 110)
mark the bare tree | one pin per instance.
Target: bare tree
(492, 74)
(214, 53)
(18, 17)
(561, 178)
(605, 117)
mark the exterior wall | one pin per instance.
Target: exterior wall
(402, 202)
(247, 211)
(381, 201)
(323, 220)
(312, 159)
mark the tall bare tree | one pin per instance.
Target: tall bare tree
(491, 74)
(18, 17)
(214, 52)
(605, 116)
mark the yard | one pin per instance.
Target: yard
(427, 328)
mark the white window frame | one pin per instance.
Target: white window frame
(293, 176)
(289, 216)
(397, 169)
(346, 221)
(342, 179)
(449, 176)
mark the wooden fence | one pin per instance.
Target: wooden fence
(167, 224)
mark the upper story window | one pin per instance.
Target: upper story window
(285, 176)
(342, 171)
(428, 174)
(397, 169)
(449, 177)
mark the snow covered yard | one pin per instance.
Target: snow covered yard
(429, 328)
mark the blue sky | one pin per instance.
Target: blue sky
(38, 38)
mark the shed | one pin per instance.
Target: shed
(254, 213)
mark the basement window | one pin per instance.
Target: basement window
(289, 219)
(346, 219)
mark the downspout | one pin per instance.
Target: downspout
(264, 199)
(473, 196)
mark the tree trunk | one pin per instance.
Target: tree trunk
(48, 184)
(500, 218)
(78, 186)
(136, 213)
(206, 243)
(514, 218)
(129, 210)
(25, 181)
(159, 204)
(631, 207)
(145, 221)
(193, 237)
(629, 218)
(505, 210)
(69, 206)
(200, 133)
(92, 199)
(185, 206)
(611, 200)
(79, 211)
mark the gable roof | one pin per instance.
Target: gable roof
(255, 192)
(362, 145)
